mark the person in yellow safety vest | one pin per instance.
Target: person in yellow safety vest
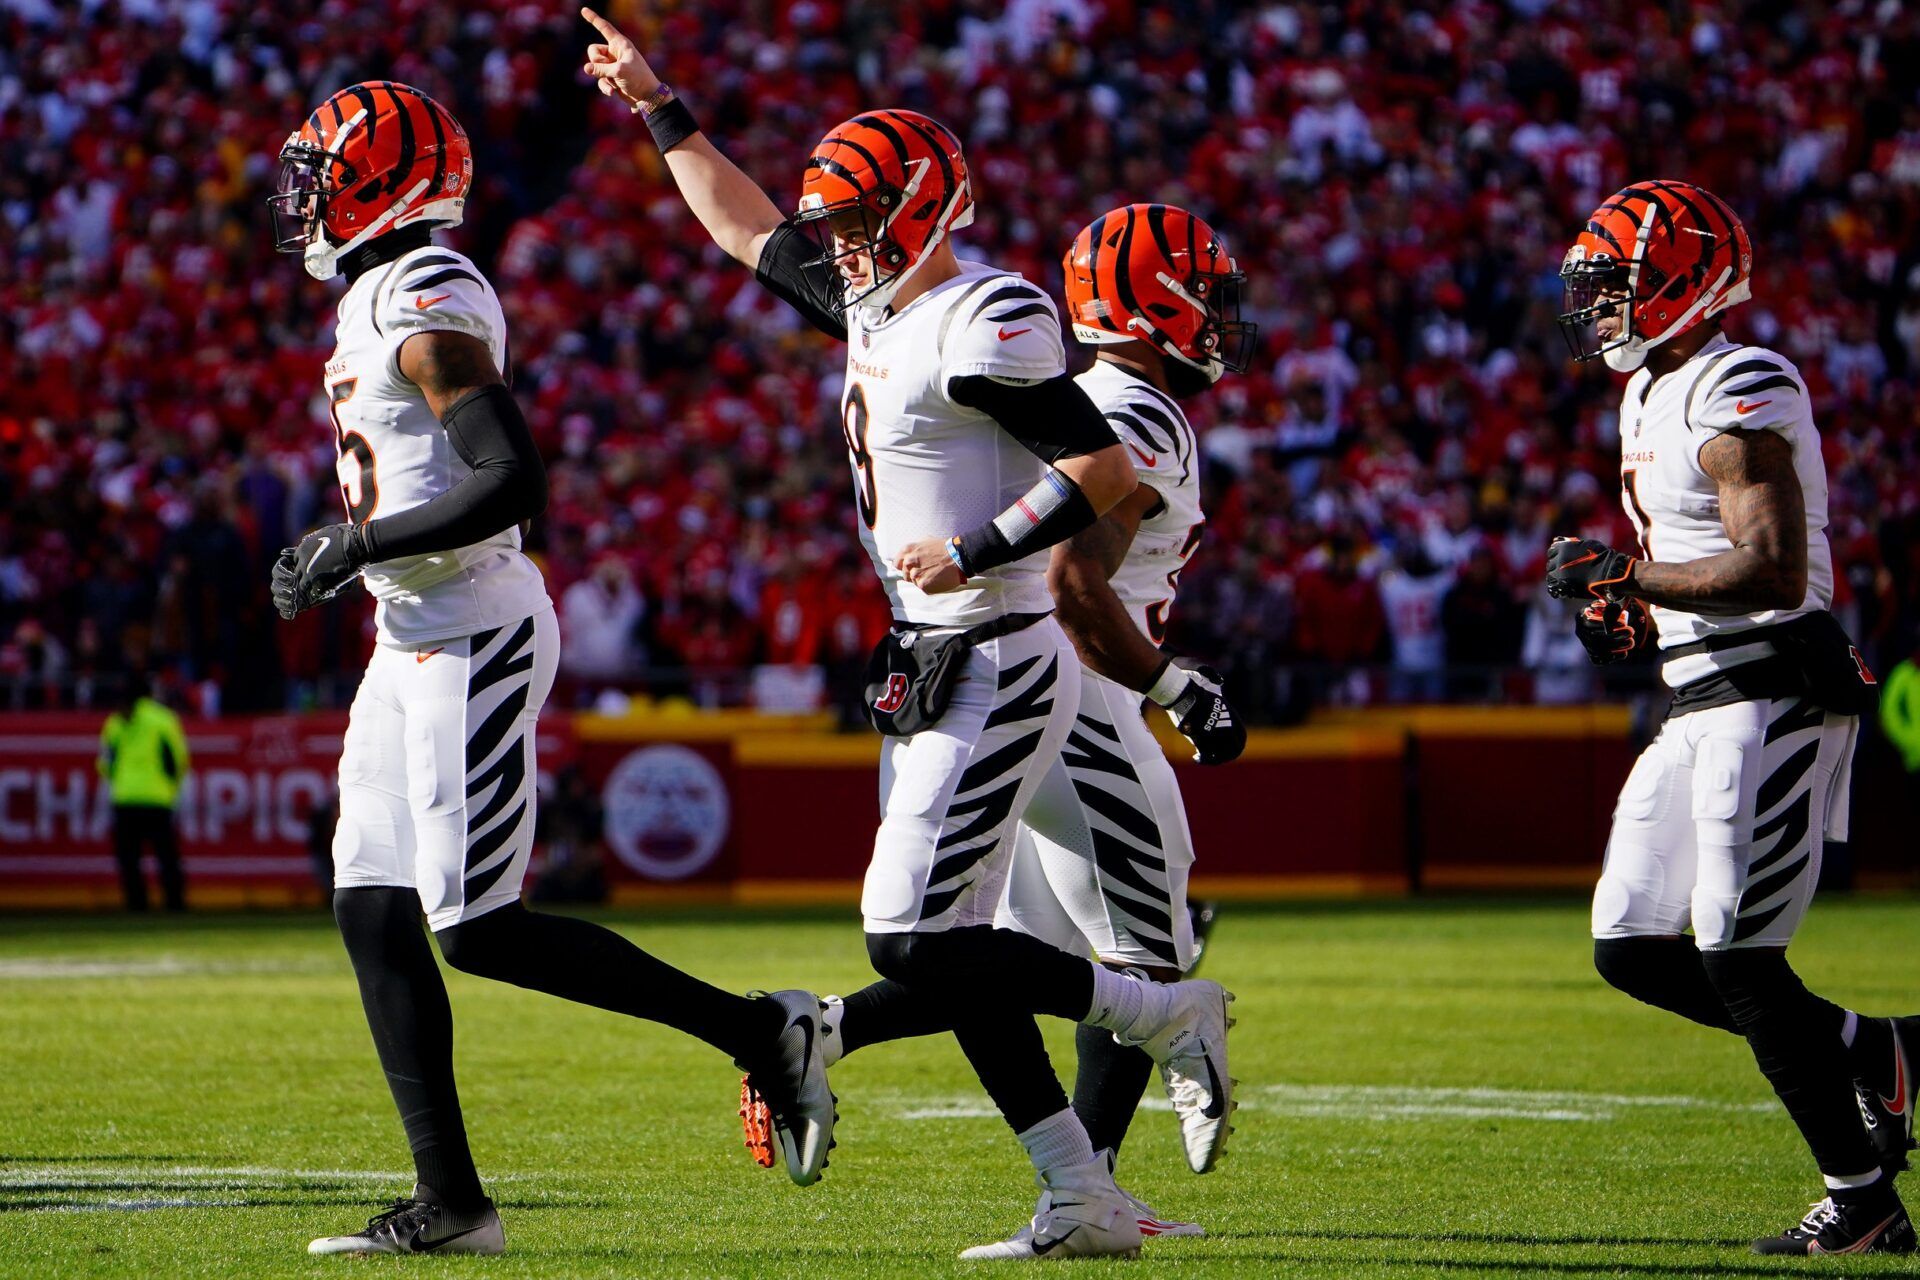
(1900, 711)
(143, 757)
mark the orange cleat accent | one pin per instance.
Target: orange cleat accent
(756, 1119)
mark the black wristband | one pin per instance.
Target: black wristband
(983, 549)
(1053, 511)
(671, 125)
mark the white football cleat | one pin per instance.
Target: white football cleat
(1152, 1224)
(421, 1224)
(1186, 1034)
(790, 1089)
(1081, 1214)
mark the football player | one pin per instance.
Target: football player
(1101, 860)
(438, 470)
(972, 453)
(1721, 822)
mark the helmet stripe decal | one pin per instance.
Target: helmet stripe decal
(436, 186)
(364, 96)
(838, 170)
(1157, 223)
(887, 131)
(948, 184)
(409, 145)
(1098, 234)
(1123, 285)
(872, 163)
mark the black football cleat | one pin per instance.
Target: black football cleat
(1878, 1224)
(1887, 1102)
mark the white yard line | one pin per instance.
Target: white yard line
(157, 967)
(1388, 1102)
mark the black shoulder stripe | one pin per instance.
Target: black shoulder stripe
(1007, 293)
(1749, 366)
(1765, 384)
(439, 278)
(1021, 313)
(1704, 379)
(1158, 394)
(434, 260)
(946, 321)
(1145, 432)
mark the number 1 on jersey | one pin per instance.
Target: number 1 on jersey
(354, 465)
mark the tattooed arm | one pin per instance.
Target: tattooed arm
(1764, 512)
(1091, 614)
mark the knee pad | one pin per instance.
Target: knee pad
(476, 946)
(895, 955)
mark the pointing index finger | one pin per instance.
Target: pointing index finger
(600, 24)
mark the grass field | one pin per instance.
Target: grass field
(1427, 1088)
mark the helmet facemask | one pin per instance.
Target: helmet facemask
(1600, 288)
(1224, 343)
(856, 233)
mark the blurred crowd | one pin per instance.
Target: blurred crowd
(1398, 180)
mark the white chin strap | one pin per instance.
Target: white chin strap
(322, 260)
(1626, 357)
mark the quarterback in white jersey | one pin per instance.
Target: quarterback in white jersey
(1721, 822)
(972, 453)
(437, 773)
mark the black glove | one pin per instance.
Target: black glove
(1200, 712)
(1612, 632)
(313, 572)
(1580, 567)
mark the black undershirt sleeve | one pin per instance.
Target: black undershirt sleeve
(1054, 419)
(508, 483)
(789, 267)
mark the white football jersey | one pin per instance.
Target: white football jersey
(395, 455)
(1150, 423)
(1675, 505)
(925, 466)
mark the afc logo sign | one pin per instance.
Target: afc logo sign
(667, 811)
(895, 696)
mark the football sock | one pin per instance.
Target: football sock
(1666, 973)
(1008, 1055)
(1057, 1142)
(1107, 1086)
(980, 968)
(1870, 1054)
(1841, 1184)
(1117, 1000)
(412, 1024)
(581, 961)
(1795, 1037)
(888, 1010)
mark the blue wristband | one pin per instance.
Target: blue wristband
(953, 554)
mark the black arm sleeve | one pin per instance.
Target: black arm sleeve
(814, 291)
(508, 484)
(1054, 419)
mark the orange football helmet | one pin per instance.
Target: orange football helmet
(1158, 274)
(1663, 256)
(373, 158)
(887, 186)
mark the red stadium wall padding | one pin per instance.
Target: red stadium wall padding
(1380, 806)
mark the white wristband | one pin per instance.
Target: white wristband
(1169, 684)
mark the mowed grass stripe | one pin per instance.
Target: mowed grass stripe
(1429, 1087)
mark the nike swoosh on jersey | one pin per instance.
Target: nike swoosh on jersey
(1146, 459)
(1741, 406)
(422, 304)
(1004, 335)
(422, 657)
(319, 551)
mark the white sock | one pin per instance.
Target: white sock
(1852, 1183)
(1117, 1000)
(832, 1047)
(1057, 1142)
(1849, 1027)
